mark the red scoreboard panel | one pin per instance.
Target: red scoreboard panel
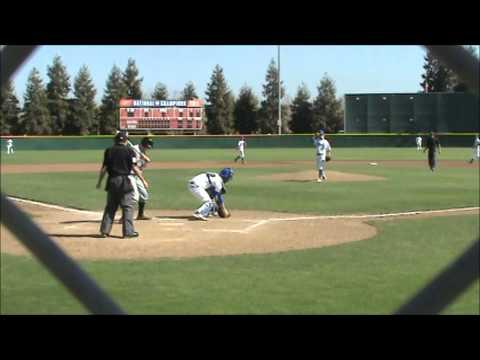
(161, 114)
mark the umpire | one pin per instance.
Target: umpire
(118, 163)
(432, 144)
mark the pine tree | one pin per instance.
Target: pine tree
(189, 91)
(115, 90)
(268, 119)
(286, 114)
(220, 104)
(36, 116)
(9, 110)
(458, 84)
(246, 111)
(83, 111)
(131, 80)
(58, 88)
(302, 114)
(160, 92)
(327, 109)
(436, 77)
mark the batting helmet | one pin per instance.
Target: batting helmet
(147, 143)
(226, 174)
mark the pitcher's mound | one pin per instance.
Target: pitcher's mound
(312, 175)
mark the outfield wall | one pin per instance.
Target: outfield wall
(229, 142)
(411, 112)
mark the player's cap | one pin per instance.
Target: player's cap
(147, 142)
(321, 132)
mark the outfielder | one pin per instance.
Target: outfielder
(476, 149)
(10, 146)
(241, 150)
(419, 142)
(323, 150)
(141, 160)
(209, 188)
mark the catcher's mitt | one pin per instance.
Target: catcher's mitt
(328, 158)
(223, 211)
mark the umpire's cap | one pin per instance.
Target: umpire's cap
(121, 136)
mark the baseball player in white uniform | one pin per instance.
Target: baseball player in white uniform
(476, 149)
(418, 139)
(140, 192)
(10, 146)
(323, 149)
(241, 150)
(208, 187)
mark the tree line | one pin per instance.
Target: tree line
(48, 109)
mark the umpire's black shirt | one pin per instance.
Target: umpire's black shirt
(118, 160)
(431, 144)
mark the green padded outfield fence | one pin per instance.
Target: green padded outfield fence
(229, 142)
(411, 113)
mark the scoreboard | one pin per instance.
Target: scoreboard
(181, 115)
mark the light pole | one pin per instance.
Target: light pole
(279, 123)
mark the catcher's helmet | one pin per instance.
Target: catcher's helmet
(147, 143)
(226, 174)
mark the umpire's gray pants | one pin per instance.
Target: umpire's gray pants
(126, 202)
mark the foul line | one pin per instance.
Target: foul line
(57, 207)
(374, 216)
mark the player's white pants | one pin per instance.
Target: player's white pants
(142, 191)
(419, 146)
(242, 154)
(133, 181)
(321, 162)
(202, 195)
(476, 153)
(9, 149)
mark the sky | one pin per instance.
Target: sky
(354, 69)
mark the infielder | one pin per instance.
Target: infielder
(10, 146)
(433, 145)
(323, 149)
(141, 159)
(208, 187)
(419, 142)
(241, 150)
(476, 149)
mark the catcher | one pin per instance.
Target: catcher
(324, 152)
(209, 188)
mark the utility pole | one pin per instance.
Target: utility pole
(279, 123)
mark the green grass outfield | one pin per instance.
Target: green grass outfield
(405, 188)
(373, 276)
(273, 154)
(368, 277)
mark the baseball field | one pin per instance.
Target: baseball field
(362, 242)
